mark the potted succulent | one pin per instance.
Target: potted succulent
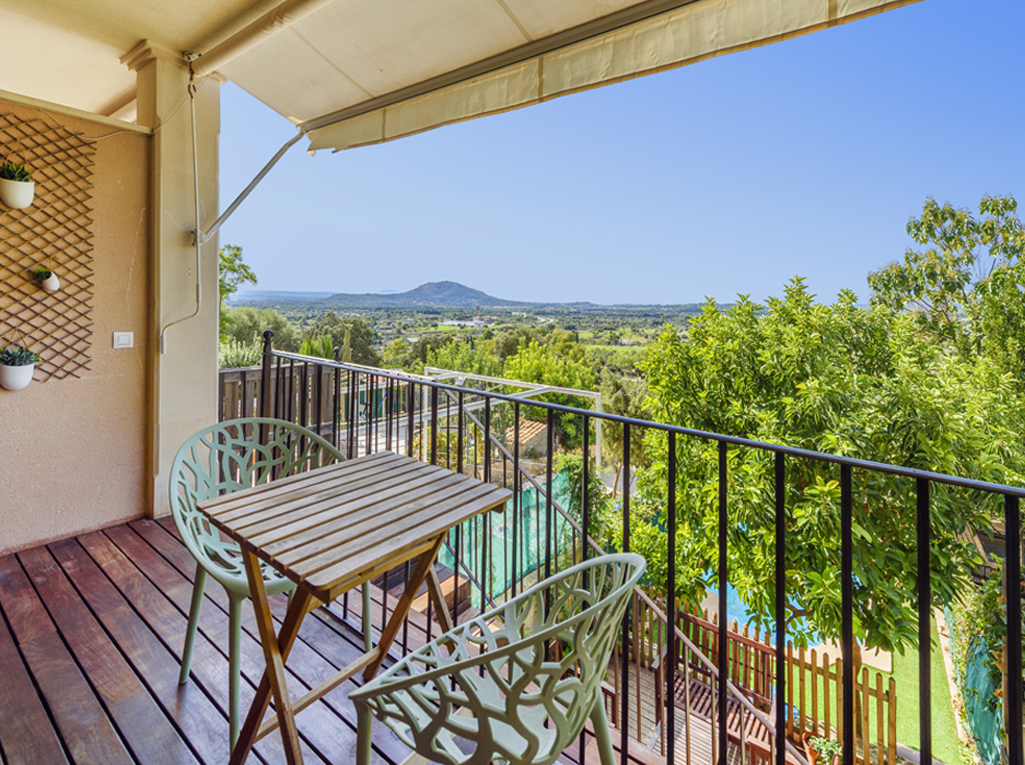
(17, 365)
(16, 187)
(47, 279)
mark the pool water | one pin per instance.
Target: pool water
(530, 534)
(737, 611)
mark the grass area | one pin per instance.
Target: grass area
(945, 744)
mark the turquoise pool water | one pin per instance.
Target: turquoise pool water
(524, 530)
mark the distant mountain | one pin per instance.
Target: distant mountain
(436, 295)
(432, 294)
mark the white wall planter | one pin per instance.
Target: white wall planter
(16, 378)
(17, 194)
(51, 283)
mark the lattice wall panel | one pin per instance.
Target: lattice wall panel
(55, 232)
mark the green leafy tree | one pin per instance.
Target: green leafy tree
(231, 274)
(566, 344)
(572, 466)
(506, 344)
(838, 379)
(967, 287)
(347, 332)
(417, 353)
(396, 353)
(231, 354)
(247, 324)
(537, 363)
(627, 398)
(466, 356)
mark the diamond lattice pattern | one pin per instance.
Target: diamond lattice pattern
(55, 232)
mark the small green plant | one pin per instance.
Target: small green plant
(235, 355)
(42, 273)
(826, 747)
(322, 347)
(18, 356)
(12, 172)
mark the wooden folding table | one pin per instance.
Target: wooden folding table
(330, 530)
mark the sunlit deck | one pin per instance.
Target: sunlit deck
(90, 644)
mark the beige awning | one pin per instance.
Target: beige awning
(359, 72)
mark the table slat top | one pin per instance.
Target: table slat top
(335, 526)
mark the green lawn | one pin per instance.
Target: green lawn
(945, 744)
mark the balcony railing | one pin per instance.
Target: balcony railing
(705, 704)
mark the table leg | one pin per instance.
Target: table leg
(391, 629)
(275, 649)
(435, 593)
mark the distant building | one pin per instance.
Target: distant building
(533, 438)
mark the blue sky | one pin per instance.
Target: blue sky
(730, 176)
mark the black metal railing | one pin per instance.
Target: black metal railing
(363, 410)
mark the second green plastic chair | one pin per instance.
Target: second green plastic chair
(515, 685)
(222, 459)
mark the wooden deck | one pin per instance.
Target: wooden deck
(91, 632)
(701, 729)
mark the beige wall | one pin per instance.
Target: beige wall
(73, 452)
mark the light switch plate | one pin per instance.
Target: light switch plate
(124, 339)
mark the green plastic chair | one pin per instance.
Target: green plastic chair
(222, 459)
(510, 685)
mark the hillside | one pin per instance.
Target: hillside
(437, 295)
(432, 294)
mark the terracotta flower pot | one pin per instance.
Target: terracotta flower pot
(812, 753)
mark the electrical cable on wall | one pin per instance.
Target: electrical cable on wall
(201, 237)
(197, 237)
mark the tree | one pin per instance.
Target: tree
(347, 332)
(508, 343)
(424, 346)
(625, 397)
(246, 325)
(838, 379)
(465, 356)
(538, 363)
(321, 347)
(396, 353)
(231, 274)
(566, 344)
(967, 287)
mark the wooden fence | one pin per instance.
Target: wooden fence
(317, 397)
(814, 686)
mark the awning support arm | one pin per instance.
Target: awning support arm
(216, 225)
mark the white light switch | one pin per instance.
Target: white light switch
(124, 339)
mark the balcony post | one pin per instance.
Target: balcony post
(183, 375)
(266, 375)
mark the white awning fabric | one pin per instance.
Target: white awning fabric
(359, 72)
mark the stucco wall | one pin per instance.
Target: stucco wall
(73, 452)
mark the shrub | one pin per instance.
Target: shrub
(233, 354)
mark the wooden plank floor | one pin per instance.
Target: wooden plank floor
(702, 731)
(91, 632)
(90, 644)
